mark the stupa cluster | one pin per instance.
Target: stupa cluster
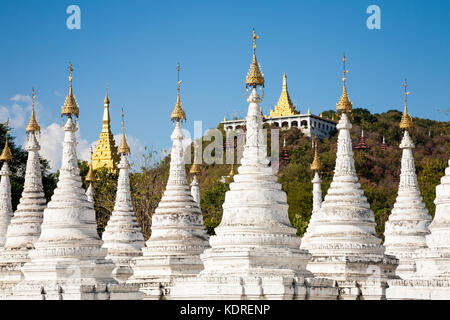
(52, 250)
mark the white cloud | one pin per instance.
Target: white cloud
(19, 112)
(52, 138)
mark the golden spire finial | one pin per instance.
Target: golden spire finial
(124, 147)
(90, 175)
(232, 172)
(309, 111)
(33, 125)
(70, 75)
(254, 76)
(316, 165)
(70, 107)
(344, 72)
(106, 101)
(255, 37)
(344, 104)
(178, 112)
(406, 122)
(6, 154)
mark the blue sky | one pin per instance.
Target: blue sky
(135, 45)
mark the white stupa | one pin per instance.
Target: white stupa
(317, 197)
(255, 253)
(178, 234)
(432, 277)
(5, 193)
(195, 171)
(123, 236)
(68, 261)
(25, 226)
(90, 178)
(343, 241)
(408, 222)
(195, 190)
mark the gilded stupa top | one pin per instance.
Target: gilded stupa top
(90, 175)
(70, 107)
(232, 171)
(284, 107)
(195, 168)
(254, 76)
(344, 104)
(406, 122)
(33, 125)
(6, 154)
(178, 112)
(123, 148)
(316, 165)
(106, 101)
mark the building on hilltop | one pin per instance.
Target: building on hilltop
(106, 151)
(285, 115)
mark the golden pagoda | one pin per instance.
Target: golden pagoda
(106, 155)
(406, 122)
(284, 107)
(344, 104)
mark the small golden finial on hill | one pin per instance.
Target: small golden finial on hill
(406, 122)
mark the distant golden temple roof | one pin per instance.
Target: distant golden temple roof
(284, 107)
(106, 154)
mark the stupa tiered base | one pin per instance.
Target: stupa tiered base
(178, 234)
(10, 268)
(255, 253)
(67, 261)
(408, 223)
(432, 278)
(343, 241)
